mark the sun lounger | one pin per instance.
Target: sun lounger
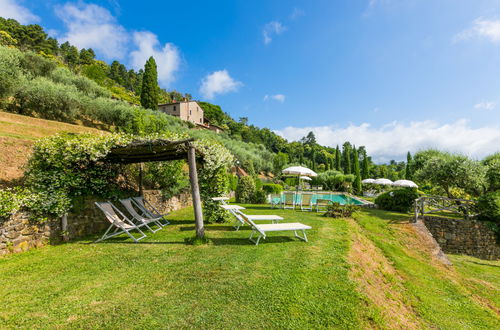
(146, 220)
(148, 209)
(235, 210)
(222, 200)
(261, 230)
(289, 200)
(306, 203)
(275, 200)
(118, 221)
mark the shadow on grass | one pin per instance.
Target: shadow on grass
(246, 241)
(213, 228)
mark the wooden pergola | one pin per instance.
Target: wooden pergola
(143, 151)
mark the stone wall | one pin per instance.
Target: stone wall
(19, 233)
(458, 236)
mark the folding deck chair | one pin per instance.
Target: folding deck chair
(238, 215)
(289, 200)
(261, 230)
(118, 220)
(306, 202)
(148, 209)
(146, 220)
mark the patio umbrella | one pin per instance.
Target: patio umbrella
(385, 182)
(299, 171)
(368, 181)
(305, 178)
(405, 183)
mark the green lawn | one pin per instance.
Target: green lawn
(229, 283)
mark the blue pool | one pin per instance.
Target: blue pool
(338, 198)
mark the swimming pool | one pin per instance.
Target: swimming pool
(342, 199)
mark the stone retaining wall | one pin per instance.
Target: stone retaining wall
(470, 237)
(19, 233)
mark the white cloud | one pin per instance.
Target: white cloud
(394, 140)
(272, 29)
(296, 13)
(218, 82)
(481, 28)
(92, 26)
(276, 97)
(167, 57)
(11, 9)
(485, 105)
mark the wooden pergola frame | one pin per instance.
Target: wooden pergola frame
(143, 151)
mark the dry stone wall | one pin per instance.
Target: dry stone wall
(459, 236)
(18, 233)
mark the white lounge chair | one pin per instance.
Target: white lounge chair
(222, 200)
(118, 221)
(261, 230)
(235, 210)
(148, 209)
(289, 200)
(146, 220)
(306, 203)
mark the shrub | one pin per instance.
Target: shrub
(272, 188)
(245, 190)
(259, 197)
(400, 200)
(9, 70)
(336, 210)
(488, 206)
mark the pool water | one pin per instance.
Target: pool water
(338, 198)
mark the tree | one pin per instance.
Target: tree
(87, 56)
(338, 159)
(453, 173)
(280, 160)
(310, 139)
(492, 164)
(365, 170)
(346, 155)
(409, 165)
(149, 89)
(357, 180)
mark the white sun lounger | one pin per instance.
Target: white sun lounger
(149, 210)
(146, 220)
(119, 221)
(238, 215)
(261, 230)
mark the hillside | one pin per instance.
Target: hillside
(17, 136)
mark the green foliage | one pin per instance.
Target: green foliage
(9, 70)
(167, 176)
(488, 206)
(450, 171)
(149, 89)
(492, 164)
(233, 182)
(245, 190)
(272, 188)
(6, 39)
(357, 180)
(214, 113)
(259, 197)
(336, 210)
(338, 159)
(400, 200)
(333, 180)
(409, 167)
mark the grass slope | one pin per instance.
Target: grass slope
(17, 135)
(229, 283)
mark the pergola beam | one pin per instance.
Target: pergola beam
(195, 191)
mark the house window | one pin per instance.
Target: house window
(190, 112)
(174, 107)
(201, 121)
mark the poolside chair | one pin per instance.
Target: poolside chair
(322, 202)
(261, 230)
(148, 209)
(118, 220)
(289, 200)
(145, 219)
(222, 200)
(275, 200)
(306, 203)
(235, 210)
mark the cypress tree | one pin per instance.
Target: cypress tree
(149, 89)
(408, 170)
(365, 171)
(357, 180)
(338, 161)
(347, 158)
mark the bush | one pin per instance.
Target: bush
(272, 188)
(488, 206)
(9, 70)
(400, 200)
(336, 210)
(245, 190)
(259, 197)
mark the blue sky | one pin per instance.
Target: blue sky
(391, 75)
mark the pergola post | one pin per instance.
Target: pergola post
(195, 191)
(140, 180)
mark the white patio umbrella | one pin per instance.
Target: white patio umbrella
(368, 181)
(299, 171)
(385, 182)
(305, 178)
(405, 183)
